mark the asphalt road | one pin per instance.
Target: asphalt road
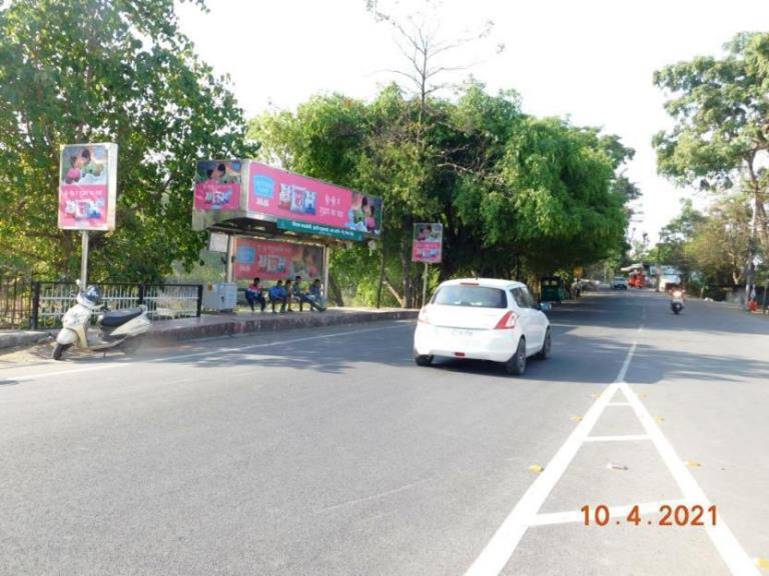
(330, 453)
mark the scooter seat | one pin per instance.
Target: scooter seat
(119, 317)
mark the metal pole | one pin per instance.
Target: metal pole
(424, 286)
(84, 260)
(230, 258)
(325, 273)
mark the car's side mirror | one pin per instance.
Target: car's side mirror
(543, 306)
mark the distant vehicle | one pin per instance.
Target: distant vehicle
(677, 301)
(637, 279)
(552, 289)
(483, 319)
(619, 283)
(669, 281)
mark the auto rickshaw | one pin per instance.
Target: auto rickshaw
(552, 289)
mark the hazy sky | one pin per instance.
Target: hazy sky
(591, 60)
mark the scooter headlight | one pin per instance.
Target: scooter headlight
(677, 294)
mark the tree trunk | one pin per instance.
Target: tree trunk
(334, 292)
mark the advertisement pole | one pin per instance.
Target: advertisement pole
(84, 260)
(427, 247)
(87, 192)
(230, 258)
(325, 273)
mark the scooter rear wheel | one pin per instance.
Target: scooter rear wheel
(59, 350)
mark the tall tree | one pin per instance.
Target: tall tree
(517, 195)
(720, 241)
(721, 133)
(107, 70)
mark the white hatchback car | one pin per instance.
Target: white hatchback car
(483, 319)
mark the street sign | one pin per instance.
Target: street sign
(427, 243)
(87, 186)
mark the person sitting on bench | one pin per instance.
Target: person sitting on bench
(254, 295)
(278, 294)
(315, 295)
(303, 297)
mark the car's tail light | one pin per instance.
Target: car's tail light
(423, 317)
(507, 321)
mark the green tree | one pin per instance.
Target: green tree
(76, 71)
(721, 126)
(517, 195)
(719, 246)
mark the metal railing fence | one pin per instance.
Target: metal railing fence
(50, 300)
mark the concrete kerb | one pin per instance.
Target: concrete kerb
(19, 338)
(236, 324)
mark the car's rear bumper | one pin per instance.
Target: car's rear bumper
(494, 345)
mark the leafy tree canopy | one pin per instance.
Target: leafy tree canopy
(74, 71)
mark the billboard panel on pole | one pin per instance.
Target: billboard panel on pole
(217, 185)
(292, 200)
(87, 186)
(427, 243)
(270, 260)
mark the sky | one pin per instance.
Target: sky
(589, 60)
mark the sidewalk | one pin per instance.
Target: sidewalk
(210, 325)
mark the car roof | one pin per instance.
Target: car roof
(486, 282)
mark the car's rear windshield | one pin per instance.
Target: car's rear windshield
(473, 296)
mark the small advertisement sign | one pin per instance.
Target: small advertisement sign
(87, 186)
(217, 185)
(270, 260)
(427, 243)
(290, 197)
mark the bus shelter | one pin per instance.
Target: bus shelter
(279, 224)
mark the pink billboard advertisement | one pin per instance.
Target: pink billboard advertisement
(288, 196)
(217, 185)
(271, 260)
(427, 243)
(87, 186)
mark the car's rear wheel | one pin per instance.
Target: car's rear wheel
(544, 353)
(517, 363)
(423, 359)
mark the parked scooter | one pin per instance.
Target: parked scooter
(114, 327)
(677, 301)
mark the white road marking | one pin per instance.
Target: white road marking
(723, 539)
(104, 366)
(495, 556)
(618, 438)
(503, 543)
(614, 511)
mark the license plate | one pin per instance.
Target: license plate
(462, 333)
